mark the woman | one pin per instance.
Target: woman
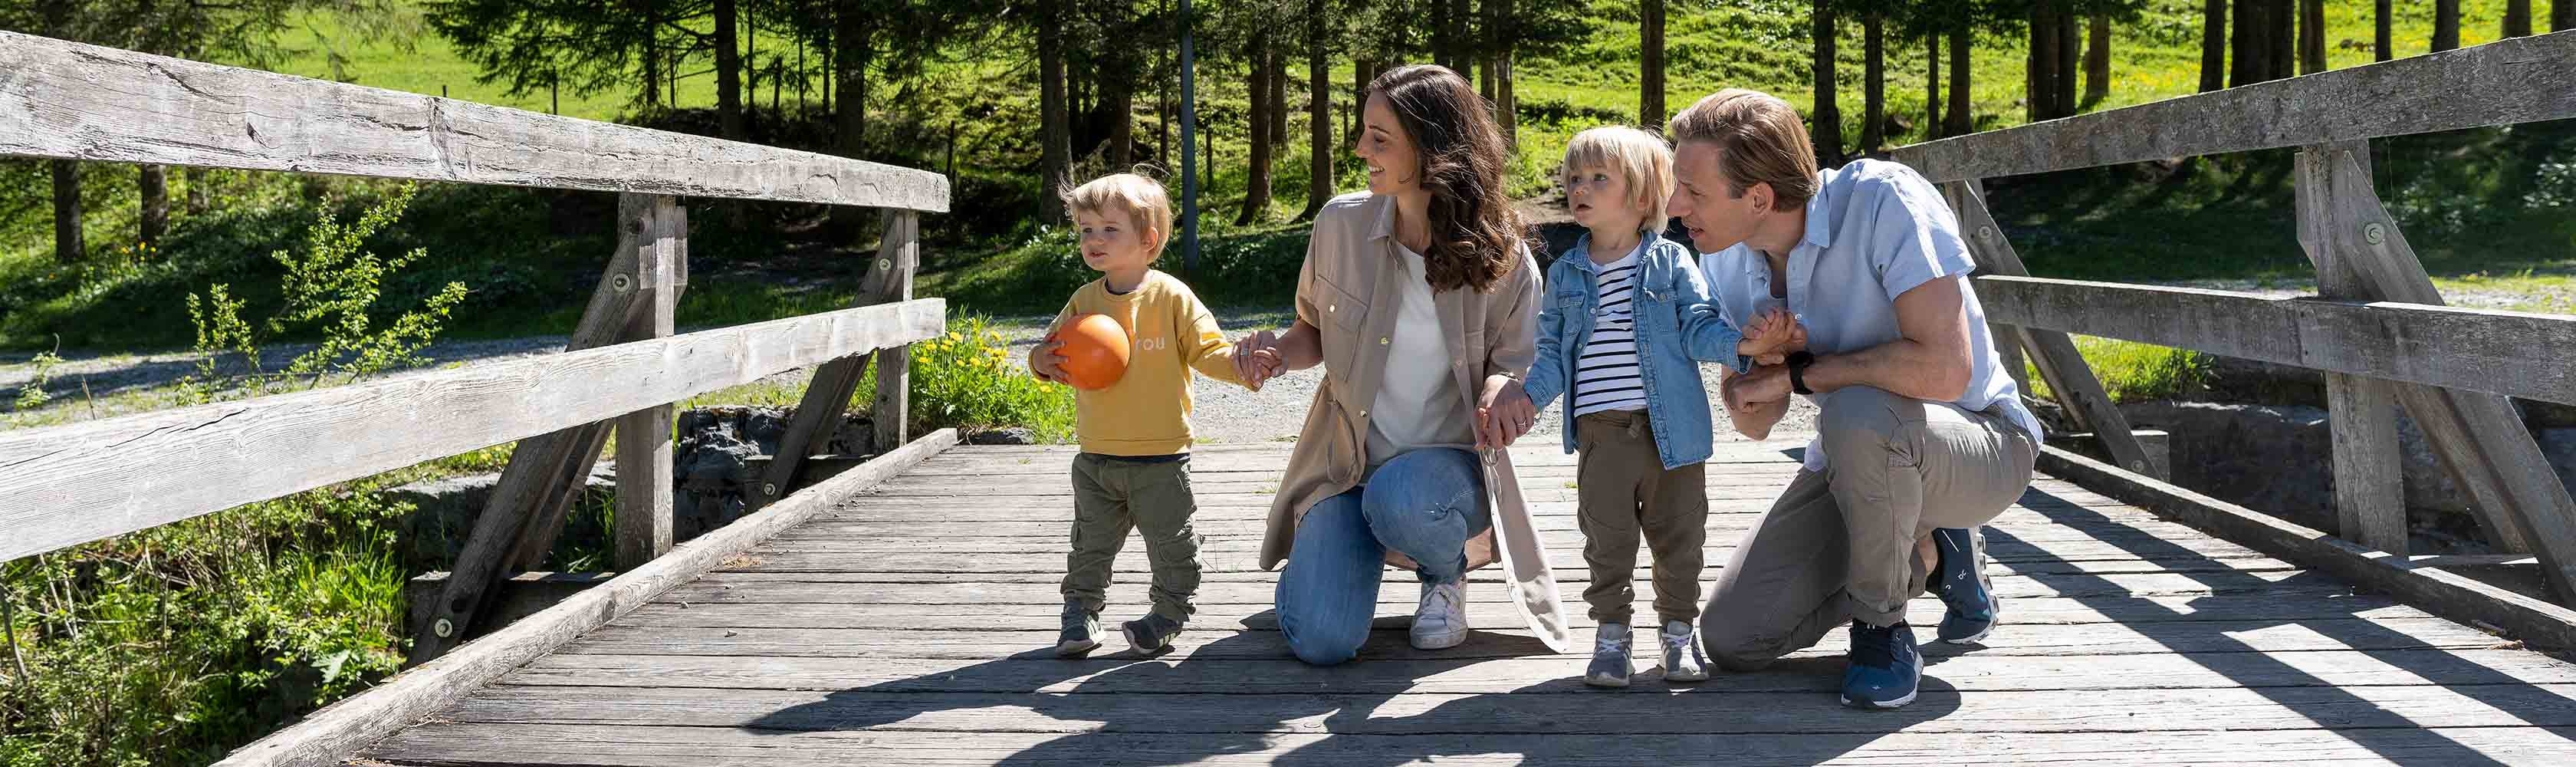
(1420, 301)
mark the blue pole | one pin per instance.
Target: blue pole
(1189, 155)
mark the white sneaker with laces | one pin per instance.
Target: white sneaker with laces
(1683, 661)
(1610, 663)
(1440, 621)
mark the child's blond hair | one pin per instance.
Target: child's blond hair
(1142, 200)
(1640, 156)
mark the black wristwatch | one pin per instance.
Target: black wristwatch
(1798, 362)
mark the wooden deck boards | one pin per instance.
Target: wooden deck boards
(911, 625)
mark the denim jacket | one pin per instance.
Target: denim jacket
(1678, 325)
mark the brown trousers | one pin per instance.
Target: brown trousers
(1622, 489)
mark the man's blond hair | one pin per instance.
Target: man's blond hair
(1759, 140)
(1142, 200)
(1635, 154)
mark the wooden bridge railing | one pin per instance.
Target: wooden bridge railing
(2377, 329)
(622, 371)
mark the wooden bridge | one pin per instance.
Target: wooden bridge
(898, 612)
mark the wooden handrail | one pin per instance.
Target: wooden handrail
(66, 100)
(2524, 79)
(64, 485)
(2501, 352)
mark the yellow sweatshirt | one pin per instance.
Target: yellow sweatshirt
(1169, 333)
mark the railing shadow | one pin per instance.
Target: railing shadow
(2213, 645)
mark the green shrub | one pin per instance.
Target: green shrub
(967, 379)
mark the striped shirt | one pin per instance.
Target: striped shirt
(1605, 376)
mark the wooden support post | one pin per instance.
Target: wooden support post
(894, 366)
(2068, 376)
(2370, 495)
(2477, 437)
(644, 437)
(547, 470)
(889, 278)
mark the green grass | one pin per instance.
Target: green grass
(2134, 372)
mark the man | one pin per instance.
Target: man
(1922, 436)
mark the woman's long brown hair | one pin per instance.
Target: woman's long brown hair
(1475, 236)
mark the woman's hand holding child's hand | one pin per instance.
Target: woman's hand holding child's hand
(1772, 337)
(1504, 413)
(1256, 358)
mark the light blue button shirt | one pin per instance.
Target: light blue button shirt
(1875, 229)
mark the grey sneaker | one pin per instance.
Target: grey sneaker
(1682, 659)
(1440, 621)
(1081, 632)
(1152, 633)
(1610, 664)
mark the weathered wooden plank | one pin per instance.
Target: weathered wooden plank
(1531, 712)
(931, 535)
(644, 480)
(2478, 437)
(1490, 611)
(68, 484)
(2502, 352)
(2518, 80)
(892, 412)
(2446, 594)
(2070, 379)
(898, 245)
(73, 101)
(1096, 676)
(1240, 554)
(2370, 496)
(334, 732)
(526, 508)
(493, 744)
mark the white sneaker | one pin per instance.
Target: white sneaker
(1610, 663)
(1440, 621)
(1682, 659)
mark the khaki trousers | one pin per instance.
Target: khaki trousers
(1623, 489)
(1112, 495)
(1839, 546)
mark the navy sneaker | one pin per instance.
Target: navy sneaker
(1151, 634)
(1960, 579)
(1080, 632)
(1884, 667)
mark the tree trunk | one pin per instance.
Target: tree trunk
(1873, 79)
(2382, 45)
(1055, 137)
(1932, 85)
(195, 180)
(1256, 185)
(1319, 113)
(1278, 58)
(2041, 86)
(2070, 57)
(2246, 46)
(649, 13)
(68, 246)
(1462, 38)
(1506, 104)
(1119, 98)
(1960, 119)
(154, 215)
(1650, 63)
(2097, 58)
(2213, 45)
(1827, 117)
(2284, 26)
(2517, 17)
(2446, 25)
(854, 40)
(728, 73)
(1441, 45)
(2562, 14)
(1487, 42)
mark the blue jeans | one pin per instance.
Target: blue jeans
(1424, 504)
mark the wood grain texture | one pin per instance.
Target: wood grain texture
(2511, 81)
(892, 278)
(828, 395)
(84, 102)
(68, 484)
(644, 481)
(2502, 352)
(2369, 492)
(331, 734)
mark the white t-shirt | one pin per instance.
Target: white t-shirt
(1418, 403)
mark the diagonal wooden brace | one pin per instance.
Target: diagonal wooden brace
(546, 472)
(2068, 376)
(889, 278)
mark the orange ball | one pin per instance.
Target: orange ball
(1095, 351)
